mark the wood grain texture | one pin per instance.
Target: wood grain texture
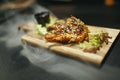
(73, 51)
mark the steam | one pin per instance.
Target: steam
(57, 64)
(38, 55)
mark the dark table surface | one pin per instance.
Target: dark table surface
(19, 61)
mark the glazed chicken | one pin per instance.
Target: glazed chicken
(70, 31)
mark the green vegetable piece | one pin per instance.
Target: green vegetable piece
(41, 30)
(95, 40)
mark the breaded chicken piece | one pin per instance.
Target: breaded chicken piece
(73, 30)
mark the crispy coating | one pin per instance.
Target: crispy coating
(73, 30)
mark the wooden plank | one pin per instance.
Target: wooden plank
(74, 51)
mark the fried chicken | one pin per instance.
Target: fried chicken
(72, 30)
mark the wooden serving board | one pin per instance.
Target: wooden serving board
(72, 50)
